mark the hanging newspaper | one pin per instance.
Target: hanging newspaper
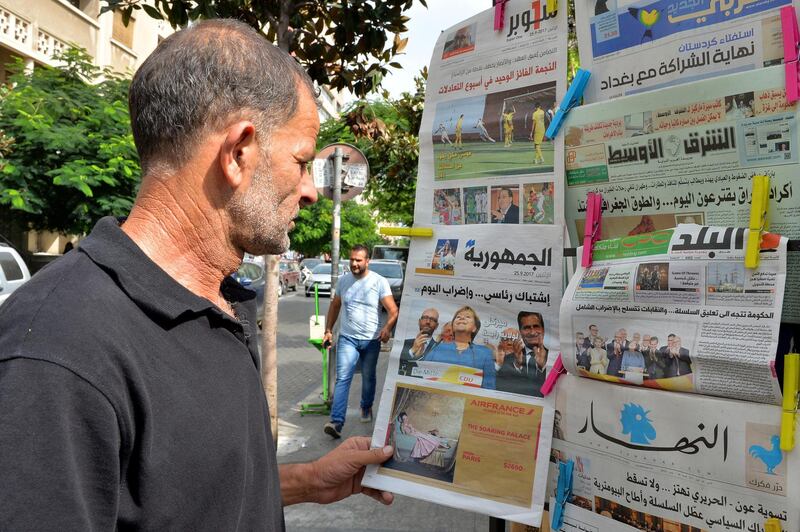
(689, 158)
(462, 401)
(478, 327)
(658, 460)
(484, 157)
(677, 310)
(637, 46)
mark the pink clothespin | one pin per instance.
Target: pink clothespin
(550, 381)
(591, 232)
(499, 14)
(791, 47)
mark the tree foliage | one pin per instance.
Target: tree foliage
(69, 156)
(312, 233)
(344, 45)
(386, 131)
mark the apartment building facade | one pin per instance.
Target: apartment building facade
(35, 30)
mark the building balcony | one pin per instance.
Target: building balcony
(38, 29)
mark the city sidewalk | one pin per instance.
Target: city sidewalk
(301, 439)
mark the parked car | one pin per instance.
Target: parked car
(393, 271)
(251, 275)
(382, 252)
(289, 274)
(321, 276)
(13, 271)
(306, 265)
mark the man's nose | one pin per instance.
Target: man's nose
(308, 192)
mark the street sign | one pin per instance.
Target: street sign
(354, 172)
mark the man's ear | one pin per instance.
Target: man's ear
(239, 153)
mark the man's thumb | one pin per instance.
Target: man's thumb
(377, 455)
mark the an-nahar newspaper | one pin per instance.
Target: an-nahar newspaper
(663, 461)
(478, 326)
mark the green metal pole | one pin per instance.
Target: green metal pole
(325, 375)
(316, 304)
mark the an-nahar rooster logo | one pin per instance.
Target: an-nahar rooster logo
(636, 423)
(647, 19)
(771, 458)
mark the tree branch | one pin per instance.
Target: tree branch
(271, 19)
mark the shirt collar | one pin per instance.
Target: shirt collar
(150, 287)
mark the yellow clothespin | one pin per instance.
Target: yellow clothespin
(791, 378)
(406, 231)
(552, 6)
(759, 204)
(773, 524)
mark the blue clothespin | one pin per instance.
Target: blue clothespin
(573, 98)
(563, 493)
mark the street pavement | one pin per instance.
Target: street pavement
(300, 439)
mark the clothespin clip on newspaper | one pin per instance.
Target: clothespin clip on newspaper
(499, 14)
(552, 6)
(791, 380)
(406, 231)
(550, 381)
(563, 493)
(573, 98)
(759, 204)
(791, 52)
(773, 524)
(591, 231)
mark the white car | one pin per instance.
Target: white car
(13, 272)
(321, 276)
(306, 265)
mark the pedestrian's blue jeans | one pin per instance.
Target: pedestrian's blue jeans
(348, 352)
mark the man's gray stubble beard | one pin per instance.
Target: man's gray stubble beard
(258, 230)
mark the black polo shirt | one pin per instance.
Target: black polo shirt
(127, 402)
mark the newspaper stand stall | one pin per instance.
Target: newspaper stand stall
(685, 155)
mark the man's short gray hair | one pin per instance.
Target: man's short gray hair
(204, 77)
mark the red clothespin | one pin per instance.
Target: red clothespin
(550, 381)
(499, 14)
(591, 232)
(791, 50)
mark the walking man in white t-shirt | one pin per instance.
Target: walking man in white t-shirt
(359, 295)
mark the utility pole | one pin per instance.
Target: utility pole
(336, 230)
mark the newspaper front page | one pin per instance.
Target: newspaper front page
(478, 327)
(490, 97)
(462, 402)
(663, 461)
(677, 310)
(635, 46)
(687, 155)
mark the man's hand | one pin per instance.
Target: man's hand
(419, 344)
(519, 353)
(498, 355)
(327, 339)
(385, 334)
(338, 474)
(540, 355)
